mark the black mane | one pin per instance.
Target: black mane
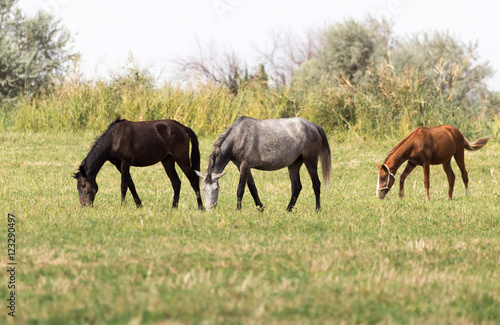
(100, 145)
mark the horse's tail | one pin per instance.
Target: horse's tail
(195, 149)
(325, 156)
(476, 145)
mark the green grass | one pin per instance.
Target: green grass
(359, 260)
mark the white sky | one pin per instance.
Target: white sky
(157, 31)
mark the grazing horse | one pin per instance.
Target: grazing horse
(268, 145)
(425, 147)
(141, 144)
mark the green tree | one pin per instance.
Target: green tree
(34, 51)
(451, 66)
(354, 51)
(349, 49)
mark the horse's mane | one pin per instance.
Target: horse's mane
(217, 152)
(211, 159)
(100, 145)
(398, 145)
(217, 146)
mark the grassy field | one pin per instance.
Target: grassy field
(359, 260)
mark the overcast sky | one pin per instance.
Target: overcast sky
(155, 32)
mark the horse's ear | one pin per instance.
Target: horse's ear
(217, 176)
(76, 175)
(378, 166)
(200, 174)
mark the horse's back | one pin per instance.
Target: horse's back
(143, 143)
(280, 127)
(272, 144)
(446, 135)
(441, 141)
(146, 131)
(295, 131)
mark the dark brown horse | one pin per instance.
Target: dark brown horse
(425, 147)
(141, 144)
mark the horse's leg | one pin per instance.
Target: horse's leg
(244, 169)
(169, 166)
(409, 168)
(459, 158)
(451, 177)
(312, 168)
(127, 181)
(427, 170)
(194, 180)
(123, 186)
(294, 173)
(253, 190)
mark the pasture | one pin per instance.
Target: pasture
(359, 260)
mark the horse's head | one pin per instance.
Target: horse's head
(385, 180)
(87, 188)
(210, 188)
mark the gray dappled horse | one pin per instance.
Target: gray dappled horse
(268, 145)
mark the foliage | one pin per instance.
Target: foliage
(392, 104)
(350, 48)
(286, 51)
(385, 94)
(444, 68)
(388, 104)
(219, 67)
(132, 94)
(451, 67)
(211, 64)
(33, 51)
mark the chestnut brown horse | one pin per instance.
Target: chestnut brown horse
(141, 144)
(425, 147)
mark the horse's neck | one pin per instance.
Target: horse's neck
(401, 155)
(220, 162)
(94, 163)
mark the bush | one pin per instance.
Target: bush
(390, 104)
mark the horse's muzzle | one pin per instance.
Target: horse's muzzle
(87, 204)
(212, 207)
(381, 194)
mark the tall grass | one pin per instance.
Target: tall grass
(208, 109)
(389, 104)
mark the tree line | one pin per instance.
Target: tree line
(36, 55)
(34, 51)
